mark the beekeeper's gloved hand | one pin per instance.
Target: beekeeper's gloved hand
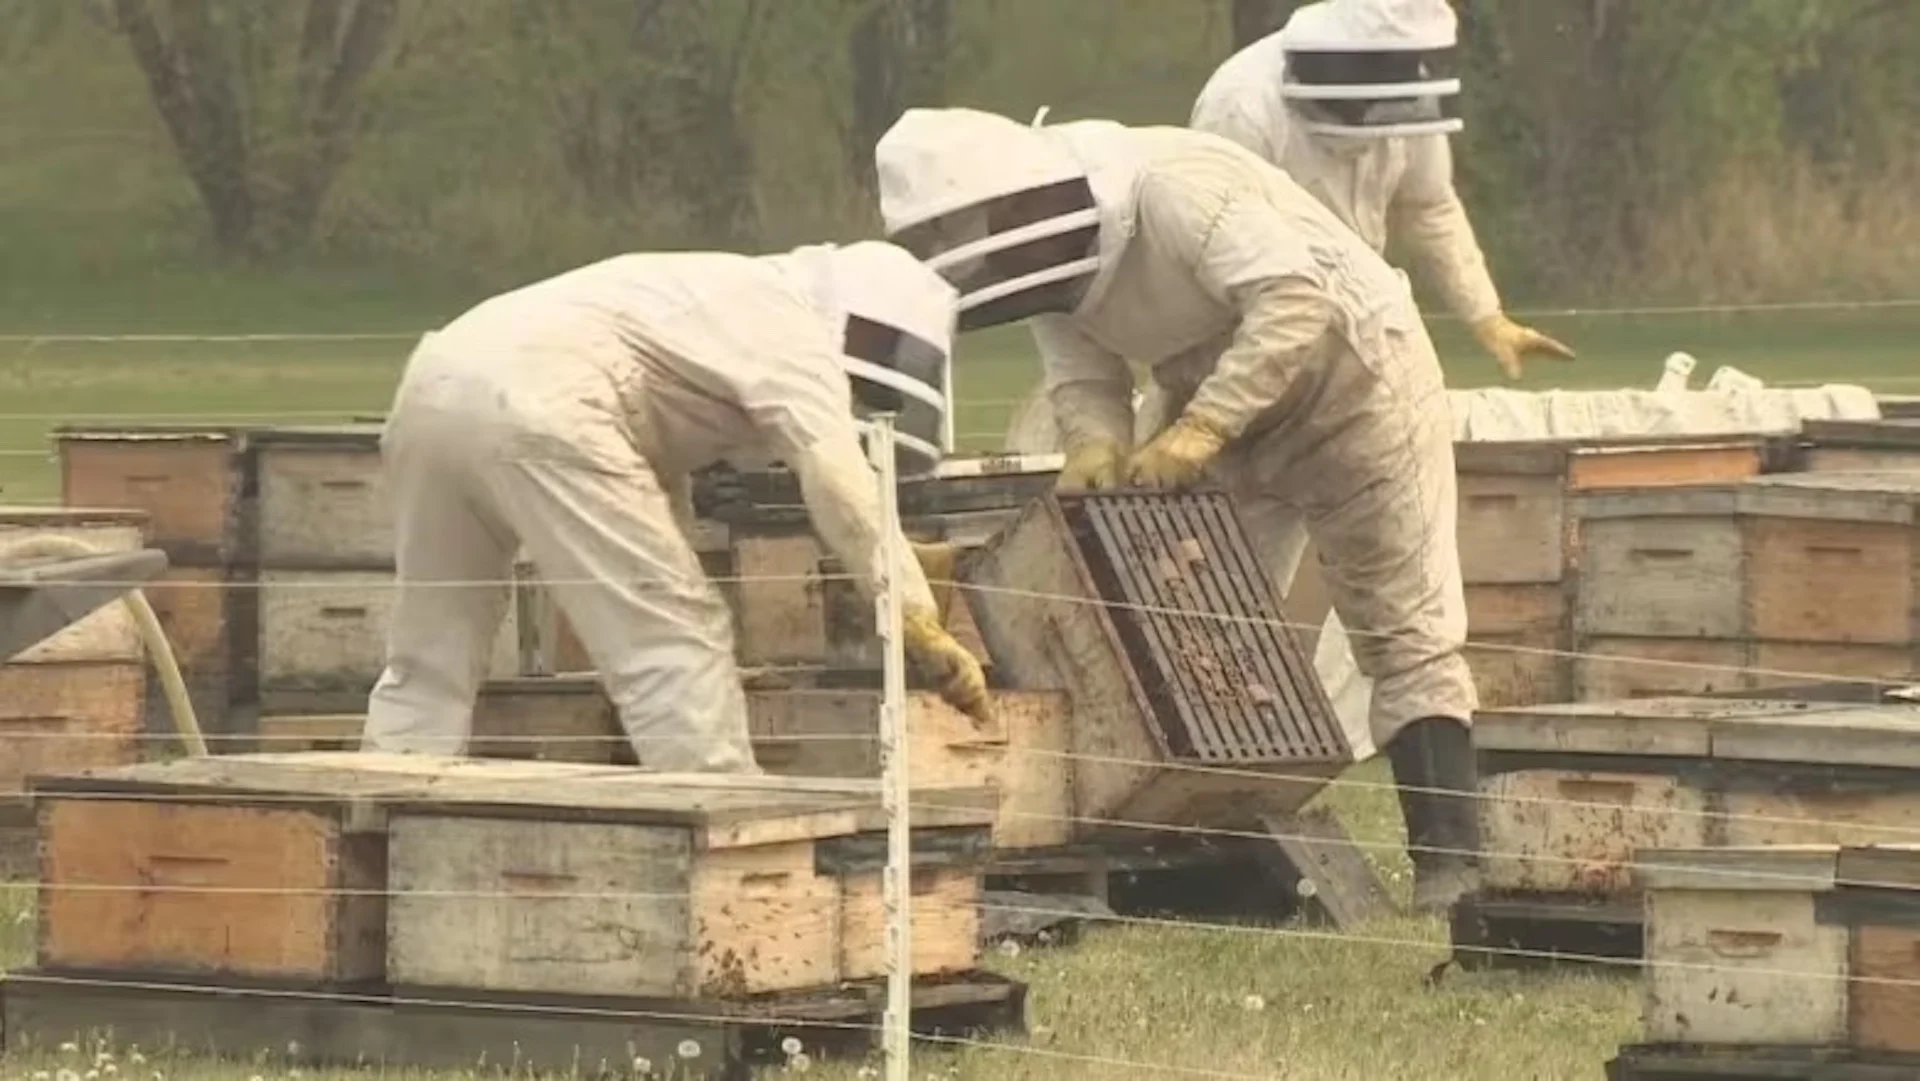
(1510, 343)
(947, 663)
(1177, 457)
(1092, 466)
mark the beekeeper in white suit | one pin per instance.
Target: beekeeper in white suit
(566, 417)
(1298, 367)
(1345, 99)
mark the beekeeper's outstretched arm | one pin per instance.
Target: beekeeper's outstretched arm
(789, 381)
(1242, 252)
(1091, 391)
(1429, 218)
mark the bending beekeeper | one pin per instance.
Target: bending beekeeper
(1345, 98)
(567, 416)
(1299, 370)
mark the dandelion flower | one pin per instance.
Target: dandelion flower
(1253, 1003)
(790, 1046)
(689, 1049)
(799, 1064)
(643, 1066)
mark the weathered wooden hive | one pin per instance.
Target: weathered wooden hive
(1856, 446)
(1571, 792)
(1776, 580)
(1807, 946)
(1192, 702)
(532, 877)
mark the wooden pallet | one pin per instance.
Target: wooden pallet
(1667, 1062)
(1527, 931)
(1308, 865)
(437, 1028)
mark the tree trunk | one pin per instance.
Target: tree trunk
(1255, 19)
(899, 53)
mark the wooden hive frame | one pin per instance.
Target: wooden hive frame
(1043, 610)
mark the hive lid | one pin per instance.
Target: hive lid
(1895, 433)
(1889, 496)
(1639, 726)
(1784, 868)
(725, 811)
(1833, 735)
(1774, 868)
(319, 435)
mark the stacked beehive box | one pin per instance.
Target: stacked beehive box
(551, 879)
(1520, 551)
(1852, 446)
(1776, 580)
(281, 559)
(1787, 961)
(75, 699)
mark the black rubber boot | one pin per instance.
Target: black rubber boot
(1433, 765)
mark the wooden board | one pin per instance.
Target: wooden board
(1604, 468)
(601, 908)
(1813, 580)
(1663, 726)
(1575, 832)
(107, 633)
(266, 892)
(1518, 640)
(58, 717)
(322, 502)
(1665, 576)
(1666, 1062)
(323, 638)
(1609, 669)
(444, 1029)
(1746, 968)
(1021, 756)
(728, 811)
(1512, 528)
(1502, 930)
(189, 481)
(1884, 1001)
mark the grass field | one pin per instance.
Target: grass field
(1254, 1002)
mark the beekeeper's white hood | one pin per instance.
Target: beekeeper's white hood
(897, 340)
(1360, 68)
(1022, 219)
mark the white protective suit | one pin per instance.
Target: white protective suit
(1259, 312)
(566, 417)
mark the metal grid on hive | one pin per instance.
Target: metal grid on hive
(1202, 627)
(1153, 612)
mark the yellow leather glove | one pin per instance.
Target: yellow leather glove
(1177, 457)
(938, 562)
(1092, 467)
(947, 663)
(1510, 343)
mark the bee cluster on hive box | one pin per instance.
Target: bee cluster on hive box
(340, 869)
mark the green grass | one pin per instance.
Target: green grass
(1271, 1002)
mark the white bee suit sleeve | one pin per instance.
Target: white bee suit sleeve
(1427, 216)
(1089, 388)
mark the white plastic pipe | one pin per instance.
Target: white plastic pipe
(159, 649)
(895, 793)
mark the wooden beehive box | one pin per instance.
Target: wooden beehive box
(77, 698)
(1569, 792)
(197, 485)
(1855, 446)
(1802, 945)
(1021, 756)
(559, 878)
(1779, 579)
(1518, 548)
(1192, 702)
